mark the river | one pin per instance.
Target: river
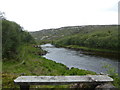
(72, 58)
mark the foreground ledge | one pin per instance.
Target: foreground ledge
(26, 81)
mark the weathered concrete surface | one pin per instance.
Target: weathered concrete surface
(53, 80)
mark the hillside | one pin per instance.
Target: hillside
(53, 34)
(105, 37)
(95, 38)
(58, 33)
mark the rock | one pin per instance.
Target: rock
(101, 73)
(106, 86)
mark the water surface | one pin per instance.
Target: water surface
(72, 58)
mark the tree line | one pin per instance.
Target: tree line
(102, 37)
(13, 36)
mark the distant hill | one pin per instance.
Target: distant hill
(53, 34)
(58, 33)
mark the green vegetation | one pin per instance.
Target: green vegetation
(89, 49)
(99, 38)
(96, 39)
(20, 57)
(12, 38)
(31, 63)
(112, 73)
(49, 35)
(104, 37)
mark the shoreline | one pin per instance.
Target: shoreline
(112, 54)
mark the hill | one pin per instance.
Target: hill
(95, 38)
(54, 34)
(58, 33)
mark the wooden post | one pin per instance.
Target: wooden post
(24, 87)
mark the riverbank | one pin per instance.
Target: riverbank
(86, 50)
(32, 63)
(93, 51)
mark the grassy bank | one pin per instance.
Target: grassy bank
(31, 63)
(90, 49)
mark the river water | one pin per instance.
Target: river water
(72, 58)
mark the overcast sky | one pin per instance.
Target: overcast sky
(35, 15)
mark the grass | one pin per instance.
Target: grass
(90, 49)
(112, 73)
(31, 63)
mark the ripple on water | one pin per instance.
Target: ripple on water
(77, 59)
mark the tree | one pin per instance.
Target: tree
(2, 15)
(12, 38)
